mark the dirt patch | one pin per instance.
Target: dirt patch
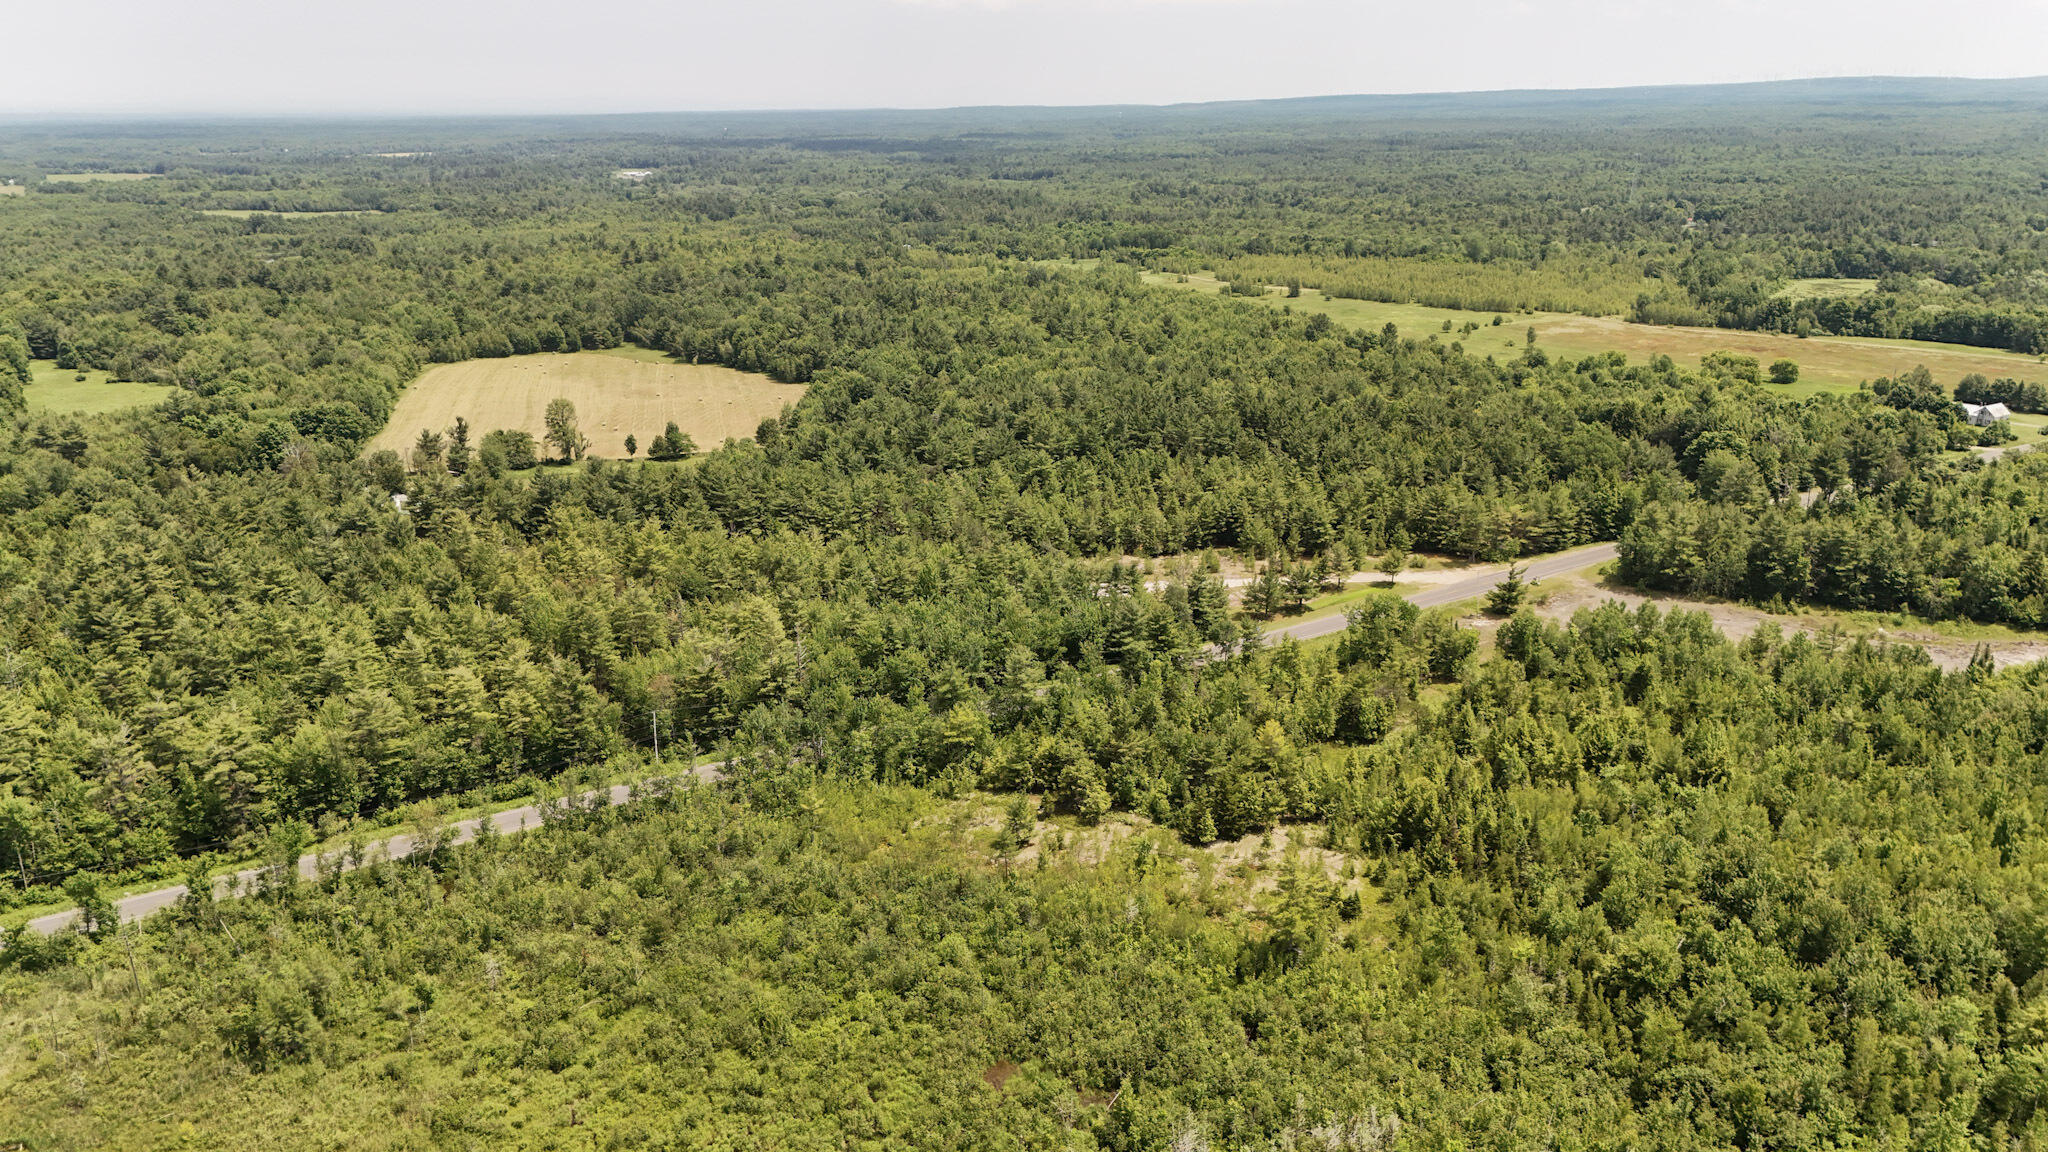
(1736, 621)
(1260, 859)
(1085, 846)
(998, 1074)
(1238, 576)
(615, 396)
(1257, 861)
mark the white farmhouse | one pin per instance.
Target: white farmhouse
(1984, 415)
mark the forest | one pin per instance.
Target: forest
(992, 721)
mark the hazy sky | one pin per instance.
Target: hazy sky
(182, 56)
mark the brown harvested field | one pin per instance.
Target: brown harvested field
(96, 177)
(627, 390)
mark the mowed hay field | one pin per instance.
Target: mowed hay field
(1825, 362)
(616, 392)
(59, 391)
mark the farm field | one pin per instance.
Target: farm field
(13, 189)
(1825, 362)
(58, 390)
(96, 177)
(1826, 288)
(619, 392)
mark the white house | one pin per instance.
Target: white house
(1984, 415)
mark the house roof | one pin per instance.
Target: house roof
(1975, 412)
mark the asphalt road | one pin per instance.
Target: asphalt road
(1476, 585)
(519, 819)
(397, 847)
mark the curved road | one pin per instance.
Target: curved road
(519, 819)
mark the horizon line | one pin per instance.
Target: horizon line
(342, 114)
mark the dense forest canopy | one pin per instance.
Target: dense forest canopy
(1622, 883)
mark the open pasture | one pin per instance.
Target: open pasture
(618, 392)
(13, 189)
(1826, 363)
(1825, 288)
(59, 391)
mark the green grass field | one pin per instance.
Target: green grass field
(59, 390)
(1826, 363)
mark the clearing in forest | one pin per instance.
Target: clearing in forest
(1825, 288)
(61, 391)
(94, 177)
(1826, 363)
(617, 392)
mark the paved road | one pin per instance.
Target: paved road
(519, 819)
(1476, 585)
(504, 823)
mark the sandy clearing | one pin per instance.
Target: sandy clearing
(1237, 577)
(1257, 860)
(614, 396)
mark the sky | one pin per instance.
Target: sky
(149, 57)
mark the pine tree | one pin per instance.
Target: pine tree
(1506, 596)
